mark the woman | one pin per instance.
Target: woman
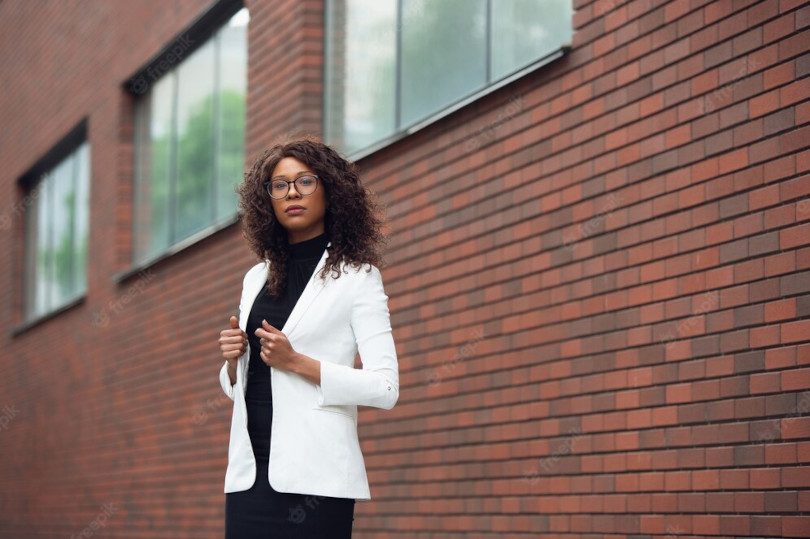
(314, 301)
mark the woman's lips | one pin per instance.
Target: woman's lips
(295, 211)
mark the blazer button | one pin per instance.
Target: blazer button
(389, 388)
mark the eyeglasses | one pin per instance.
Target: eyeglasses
(305, 185)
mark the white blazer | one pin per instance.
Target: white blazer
(314, 448)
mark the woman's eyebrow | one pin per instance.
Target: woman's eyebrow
(299, 173)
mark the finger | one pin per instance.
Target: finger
(265, 358)
(262, 333)
(234, 322)
(232, 339)
(231, 347)
(266, 325)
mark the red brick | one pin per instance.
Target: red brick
(795, 526)
(733, 479)
(705, 480)
(795, 331)
(796, 427)
(780, 453)
(778, 358)
(770, 526)
(780, 310)
(720, 502)
(804, 500)
(796, 379)
(678, 481)
(765, 478)
(734, 525)
(679, 393)
(749, 502)
(706, 524)
(781, 502)
(766, 382)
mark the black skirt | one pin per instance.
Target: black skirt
(261, 512)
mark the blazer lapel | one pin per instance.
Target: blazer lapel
(311, 291)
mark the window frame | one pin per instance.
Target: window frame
(403, 131)
(31, 183)
(204, 28)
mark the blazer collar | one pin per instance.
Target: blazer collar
(311, 291)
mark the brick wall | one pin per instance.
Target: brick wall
(599, 279)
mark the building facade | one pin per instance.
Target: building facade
(598, 268)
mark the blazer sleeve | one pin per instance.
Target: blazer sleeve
(377, 383)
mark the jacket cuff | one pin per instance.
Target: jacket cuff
(346, 385)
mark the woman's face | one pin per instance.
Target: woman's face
(309, 222)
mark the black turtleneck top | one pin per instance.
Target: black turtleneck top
(303, 258)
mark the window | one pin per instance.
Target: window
(56, 235)
(189, 140)
(391, 64)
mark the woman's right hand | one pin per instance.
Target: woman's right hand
(233, 341)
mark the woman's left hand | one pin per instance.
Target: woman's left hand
(278, 352)
(276, 348)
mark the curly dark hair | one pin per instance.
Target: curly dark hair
(351, 222)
